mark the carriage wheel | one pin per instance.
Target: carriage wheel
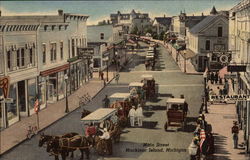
(166, 126)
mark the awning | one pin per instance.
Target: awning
(54, 70)
(187, 53)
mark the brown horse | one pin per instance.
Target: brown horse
(64, 145)
(46, 138)
(85, 113)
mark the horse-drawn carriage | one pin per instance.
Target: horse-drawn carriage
(121, 101)
(150, 85)
(176, 112)
(150, 58)
(137, 93)
(102, 119)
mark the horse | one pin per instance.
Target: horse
(85, 113)
(46, 138)
(64, 145)
(116, 133)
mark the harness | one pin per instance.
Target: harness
(61, 144)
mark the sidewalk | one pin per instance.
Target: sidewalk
(16, 133)
(221, 117)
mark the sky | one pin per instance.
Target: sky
(99, 10)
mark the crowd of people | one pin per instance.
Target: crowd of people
(202, 144)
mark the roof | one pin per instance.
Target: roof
(136, 84)
(213, 11)
(204, 23)
(175, 100)
(99, 115)
(120, 95)
(163, 20)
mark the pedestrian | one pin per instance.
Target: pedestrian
(106, 101)
(117, 76)
(139, 115)
(212, 78)
(108, 143)
(193, 148)
(102, 74)
(235, 132)
(99, 71)
(208, 76)
(220, 91)
(131, 116)
(202, 106)
(226, 86)
(216, 77)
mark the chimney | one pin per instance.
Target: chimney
(164, 15)
(202, 14)
(60, 12)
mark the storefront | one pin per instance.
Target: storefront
(12, 110)
(52, 85)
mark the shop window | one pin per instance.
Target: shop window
(61, 49)
(45, 27)
(220, 32)
(207, 45)
(44, 53)
(102, 36)
(12, 107)
(31, 92)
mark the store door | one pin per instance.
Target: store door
(22, 98)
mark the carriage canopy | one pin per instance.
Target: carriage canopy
(147, 76)
(135, 84)
(176, 103)
(99, 115)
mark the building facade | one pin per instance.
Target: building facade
(35, 53)
(162, 24)
(211, 34)
(239, 43)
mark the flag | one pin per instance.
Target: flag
(36, 106)
(202, 138)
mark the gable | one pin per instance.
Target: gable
(218, 22)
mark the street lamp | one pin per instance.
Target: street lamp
(67, 103)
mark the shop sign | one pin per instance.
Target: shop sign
(85, 52)
(228, 76)
(236, 68)
(240, 97)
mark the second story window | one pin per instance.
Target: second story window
(61, 49)
(102, 36)
(18, 58)
(207, 47)
(9, 59)
(53, 52)
(22, 57)
(31, 55)
(73, 47)
(220, 32)
(44, 53)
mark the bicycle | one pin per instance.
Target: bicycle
(84, 99)
(31, 131)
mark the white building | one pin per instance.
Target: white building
(207, 36)
(239, 43)
(108, 42)
(162, 24)
(35, 53)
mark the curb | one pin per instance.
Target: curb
(41, 130)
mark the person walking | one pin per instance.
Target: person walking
(117, 76)
(235, 132)
(131, 116)
(212, 78)
(106, 101)
(102, 74)
(139, 115)
(216, 77)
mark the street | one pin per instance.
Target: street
(149, 142)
